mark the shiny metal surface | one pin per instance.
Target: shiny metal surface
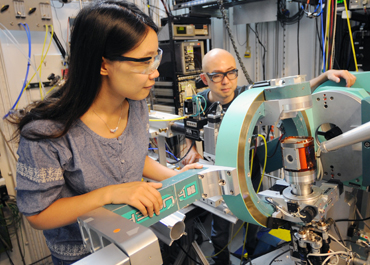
(316, 192)
(301, 182)
(136, 241)
(170, 228)
(354, 136)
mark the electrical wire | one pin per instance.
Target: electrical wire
(42, 61)
(265, 162)
(168, 152)
(278, 256)
(359, 214)
(352, 220)
(34, 263)
(42, 57)
(350, 34)
(174, 119)
(187, 254)
(28, 32)
(227, 243)
(264, 50)
(182, 158)
(276, 147)
(299, 63)
(12, 39)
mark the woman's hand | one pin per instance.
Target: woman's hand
(144, 196)
(190, 166)
(192, 157)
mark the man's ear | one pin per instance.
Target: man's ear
(103, 68)
(204, 79)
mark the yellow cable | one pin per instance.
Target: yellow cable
(29, 82)
(174, 119)
(51, 89)
(264, 164)
(350, 34)
(42, 55)
(227, 243)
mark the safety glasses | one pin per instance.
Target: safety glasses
(219, 76)
(146, 65)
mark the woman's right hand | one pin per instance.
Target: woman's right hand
(144, 196)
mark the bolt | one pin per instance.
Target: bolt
(204, 196)
(228, 173)
(221, 182)
(231, 192)
(201, 176)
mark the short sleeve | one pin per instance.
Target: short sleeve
(39, 176)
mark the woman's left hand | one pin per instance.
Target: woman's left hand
(191, 166)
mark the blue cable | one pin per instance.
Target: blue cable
(28, 32)
(168, 152)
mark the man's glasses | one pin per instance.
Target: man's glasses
(219, 76)
(146, 65)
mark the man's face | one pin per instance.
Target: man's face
(222, 91)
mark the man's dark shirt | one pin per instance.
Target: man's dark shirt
(205, 93)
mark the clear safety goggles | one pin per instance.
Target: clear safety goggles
(146, 65)
(217, 77)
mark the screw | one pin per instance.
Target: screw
(204, 196)
(201, 176)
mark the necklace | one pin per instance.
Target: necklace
(119, 120)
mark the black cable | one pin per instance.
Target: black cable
(211, 107)
(187, 254)
(283, 15)
(338, 233)
(40, 260)
(6, 252)
(278, 256)
(192, 144)
(264, 50)
(299, 63)
(352, 220)
(276, 147)
(59, 45)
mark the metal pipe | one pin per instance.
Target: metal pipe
(354, 136)
(170, 228)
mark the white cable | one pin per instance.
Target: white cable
(331, 254)
(329, 257)
(336, 240)
(359, 214)
(20, 48)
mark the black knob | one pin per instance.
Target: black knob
(308, 214)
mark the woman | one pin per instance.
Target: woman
(86, 145)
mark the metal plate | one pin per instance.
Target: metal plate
(344, 110)
(36, 20)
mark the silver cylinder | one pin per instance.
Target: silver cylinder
(170, 228)
(299, 164)
(357, 135)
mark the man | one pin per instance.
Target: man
(220, 74)
(220, 66)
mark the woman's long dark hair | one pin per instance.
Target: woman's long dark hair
(105, 29)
